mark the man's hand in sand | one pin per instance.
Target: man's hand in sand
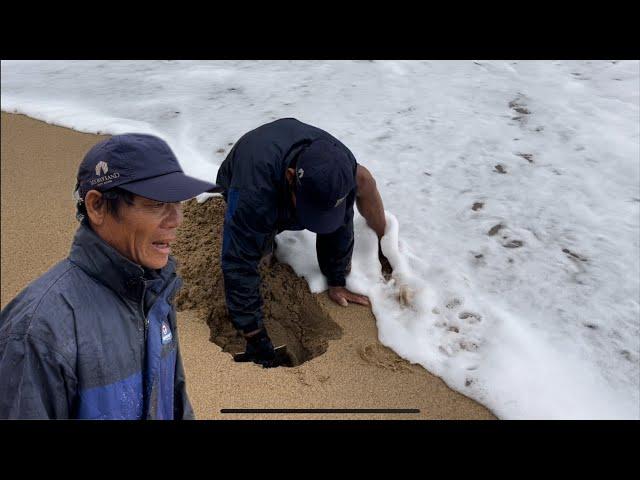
(343, 297)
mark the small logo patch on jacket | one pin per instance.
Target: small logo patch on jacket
(166, 333)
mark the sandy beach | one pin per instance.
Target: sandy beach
(339, 361)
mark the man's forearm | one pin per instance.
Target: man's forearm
(371, 208)
(369, 201)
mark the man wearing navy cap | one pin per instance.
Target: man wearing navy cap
(287, 175)
(95, 337)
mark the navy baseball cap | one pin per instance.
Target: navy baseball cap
(325, 175)
(141, 164)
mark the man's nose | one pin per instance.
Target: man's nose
(174, 216)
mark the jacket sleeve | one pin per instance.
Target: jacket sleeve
(35, 381)
(182, 406)
(334, 250)
(246, 236)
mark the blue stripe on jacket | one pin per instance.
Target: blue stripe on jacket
(117, 401)
(124, 400)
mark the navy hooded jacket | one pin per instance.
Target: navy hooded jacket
(259, 207)
(95, 337)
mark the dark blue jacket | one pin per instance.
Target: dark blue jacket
(93, 338)
(259, 207)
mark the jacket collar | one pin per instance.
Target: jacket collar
(101, 261)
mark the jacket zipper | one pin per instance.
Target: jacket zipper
(146, 319)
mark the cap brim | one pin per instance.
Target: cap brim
(172, 187)
(320, 221)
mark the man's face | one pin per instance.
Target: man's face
(144, 231)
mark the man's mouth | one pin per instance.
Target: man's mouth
(163, 247)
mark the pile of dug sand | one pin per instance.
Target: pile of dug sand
(292, 314)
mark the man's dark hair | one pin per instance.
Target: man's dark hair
(113, 199)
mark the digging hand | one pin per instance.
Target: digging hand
(260, 350)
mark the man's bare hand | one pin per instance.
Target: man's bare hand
(343, 297)
(387, 270)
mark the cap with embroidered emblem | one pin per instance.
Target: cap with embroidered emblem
(141, 164)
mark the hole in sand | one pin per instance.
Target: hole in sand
(292, 314)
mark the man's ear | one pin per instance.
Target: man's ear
(96, 208)
(290, 174)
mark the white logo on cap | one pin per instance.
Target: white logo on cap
(340, 200)
(102, 166)
(300, 173)
(104, 179)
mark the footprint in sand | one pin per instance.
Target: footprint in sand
(519, 106)
(527, 156)
(513, 244)
(470, 317)
(478, 259)
(383, 357)
(573, 255)
(468, 346)
(453, 303)
(457, 335)
(495, 229)
(301, 376)
(510, 244)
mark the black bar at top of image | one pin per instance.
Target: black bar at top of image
(319, 410)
